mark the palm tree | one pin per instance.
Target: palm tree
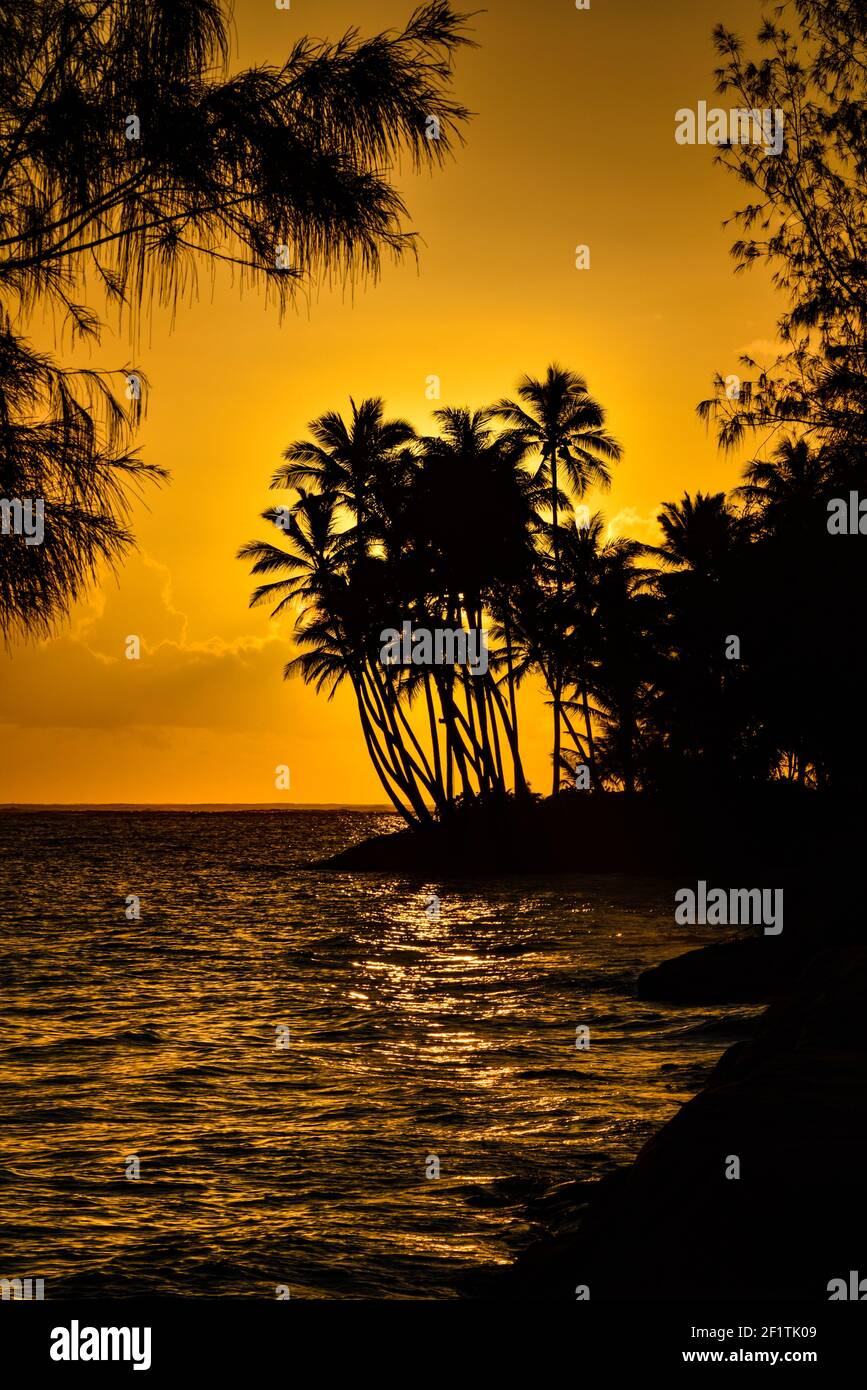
(333, 629)
(793, 576)
(443, 536)
(701, 586)
(311, 570)
(622, 656)
(699, 534)
(479, 550)
(559, 419)
(348, 462)
(783, 493)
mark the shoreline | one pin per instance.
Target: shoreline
(771, 830)
(754, 1188)
(685, 1221)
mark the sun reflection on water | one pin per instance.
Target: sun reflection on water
(410, 1035)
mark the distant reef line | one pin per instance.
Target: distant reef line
(226, 807)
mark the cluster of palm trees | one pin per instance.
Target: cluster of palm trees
(479, 526)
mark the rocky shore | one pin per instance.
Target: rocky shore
(754, 1189)
(761, 832)
(790, 1105)
(742, 970)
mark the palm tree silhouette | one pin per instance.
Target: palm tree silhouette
(559, 420)
(705, 543)
(625, 662)
(333, 629)
(464, 529)
(592, 565)
(783, 492)
(480, 550)
(348, 462)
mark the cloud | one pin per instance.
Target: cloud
(630, 523)
(83, 678)
(760, 347)
(140, 603)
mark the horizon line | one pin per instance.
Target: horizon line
(195, 806)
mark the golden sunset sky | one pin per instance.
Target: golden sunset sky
(572, 142)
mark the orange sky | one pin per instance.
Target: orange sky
(573, 142)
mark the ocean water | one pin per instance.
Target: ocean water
(270, 1157)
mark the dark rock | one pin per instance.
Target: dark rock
(758, 831)
(791, 1104)
(742, 970)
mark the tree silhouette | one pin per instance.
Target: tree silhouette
(806, 219)
(130, 154)
(346, 462)
(558, 418)
(457, 530)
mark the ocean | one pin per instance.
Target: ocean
(282, 1077)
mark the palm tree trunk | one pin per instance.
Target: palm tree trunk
(555, 788)
(435, 737)
(428, 775)
(479, 685)
(478, 689)
(390, 752)
(495, 734)
(377, 758)
(573, 734)
(470, 722)
(411, 771)
(457, 749)
(521, 788)
(588, 728)
(557, 692)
